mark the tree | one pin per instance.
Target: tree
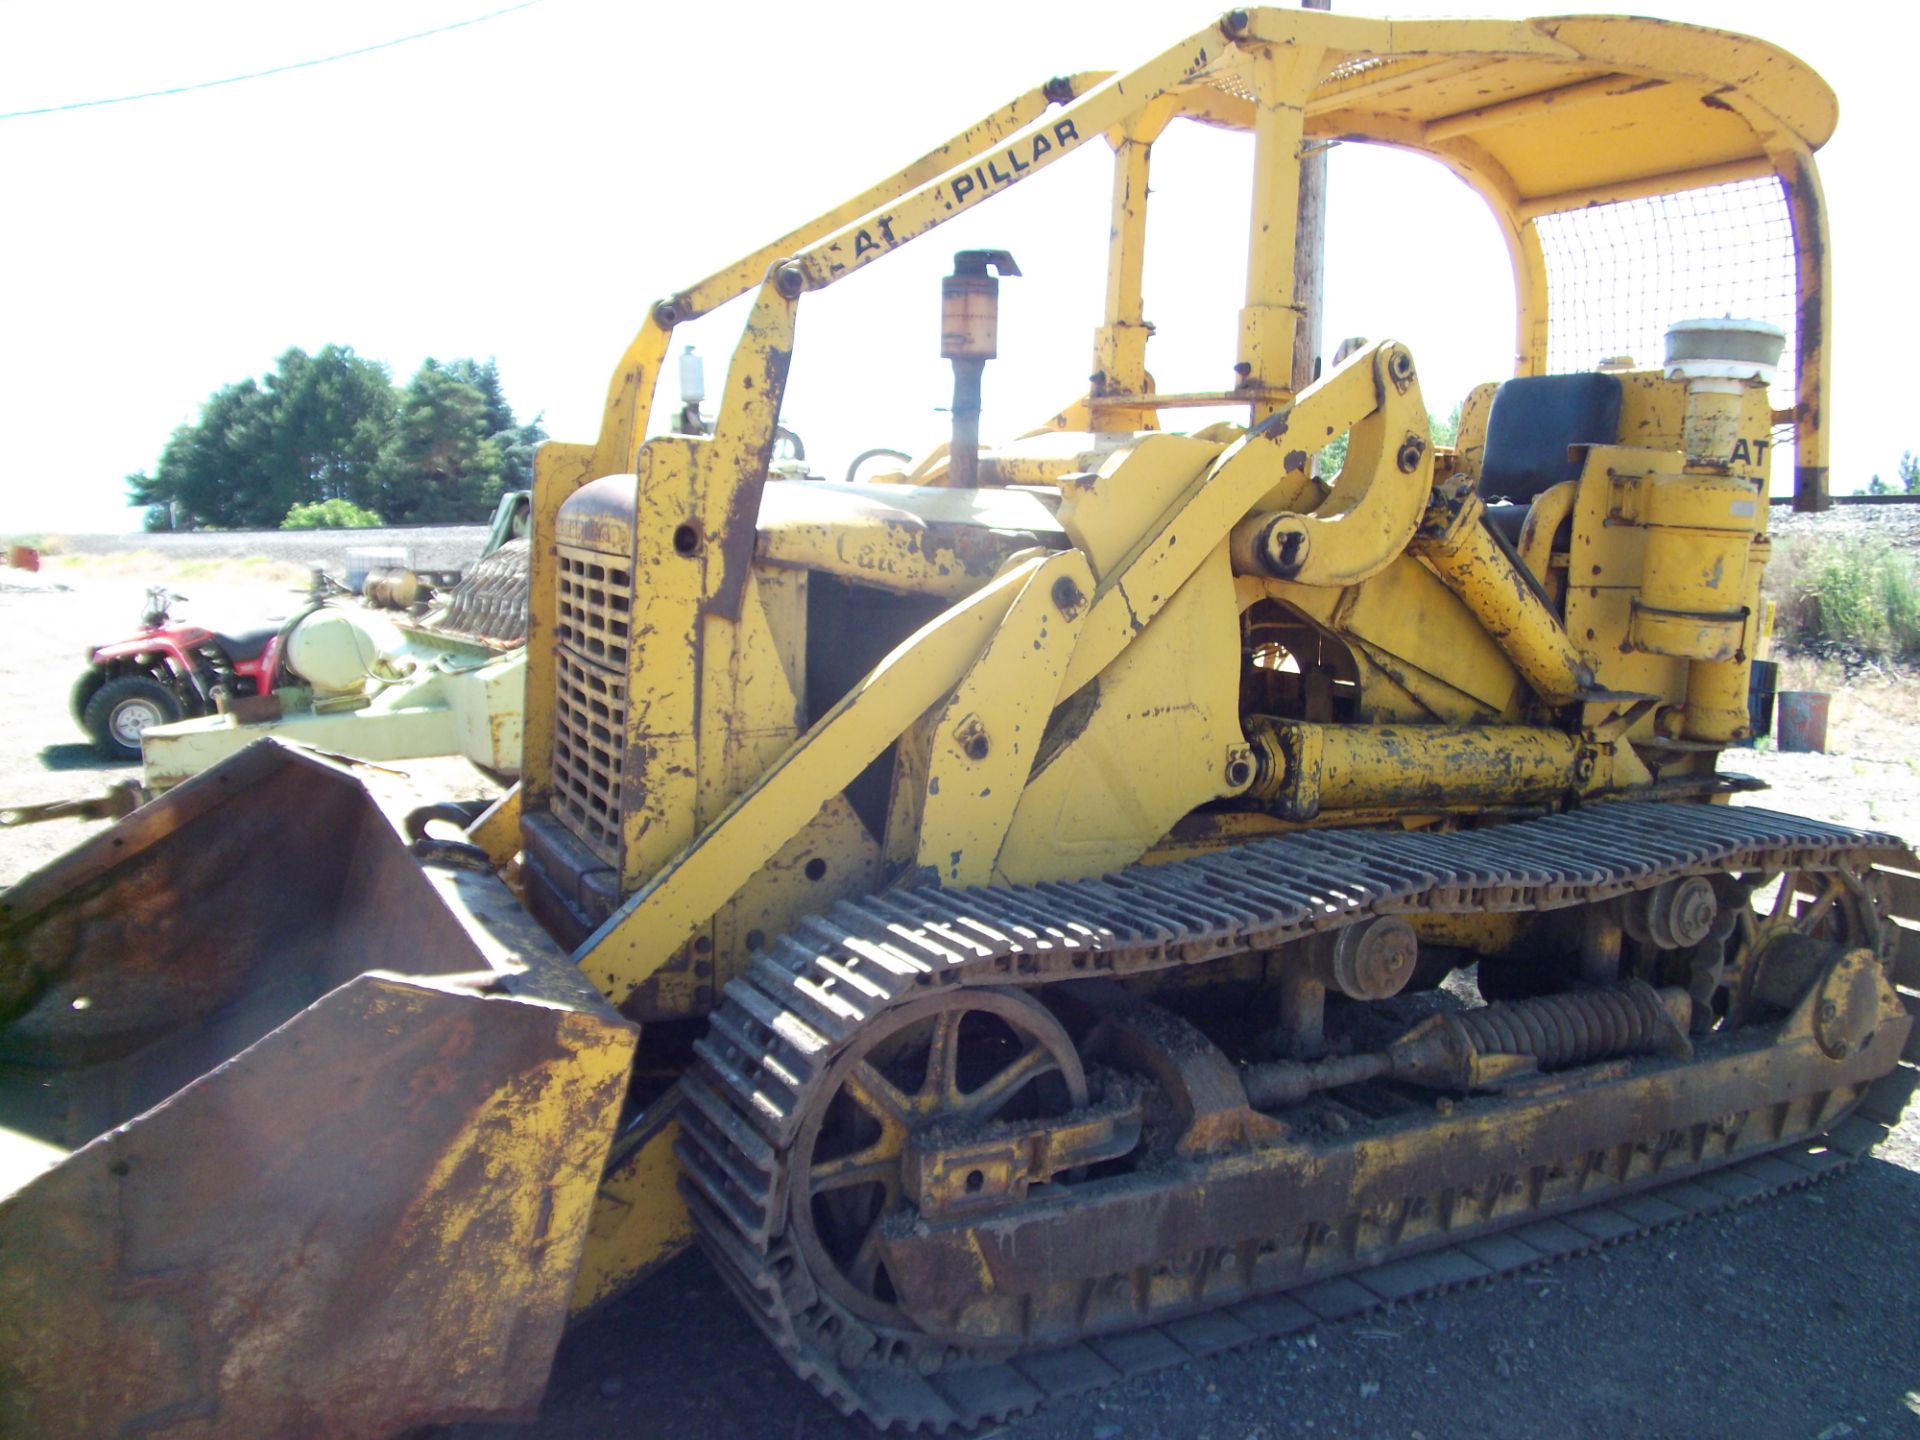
(205, 465)
(483, 376)
(331, 426)
(439, 464)
(312, 431)
(517, 442)
(1909, 472)
(331, 414)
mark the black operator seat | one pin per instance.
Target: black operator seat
(1533, 422)
(245, 644)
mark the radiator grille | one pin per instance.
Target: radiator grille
(596, 603)
(590, 712)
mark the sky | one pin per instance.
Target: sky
(522, 188)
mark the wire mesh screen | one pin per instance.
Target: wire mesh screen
(1618, 275)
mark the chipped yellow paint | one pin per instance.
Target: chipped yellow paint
(1142, 556)
(508, 1137)
(645, 932)
(639, 1221)
(497, 831)
(1461, 548)
(984, 741)
(1143, 745)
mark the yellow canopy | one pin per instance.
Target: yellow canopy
(1554, 112)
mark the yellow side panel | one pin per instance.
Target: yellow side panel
(1422, 629)
(1652, 409)
(660, 817)
(1406, 611)
(832, 857)
(983, 744)
(678, 902)
(1605, 565)
(1158, 728)
(749, 711)
(1606, 613)
(638, 1220)
(1107, 514)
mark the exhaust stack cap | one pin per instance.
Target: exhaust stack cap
(970, 305)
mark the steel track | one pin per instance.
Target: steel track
(779, 1026)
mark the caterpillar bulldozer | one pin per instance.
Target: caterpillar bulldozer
(1074, 905)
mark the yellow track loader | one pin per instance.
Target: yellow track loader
(1073, 905)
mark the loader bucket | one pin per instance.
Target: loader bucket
(297, 1136)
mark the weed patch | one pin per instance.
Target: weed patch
(1846, 600)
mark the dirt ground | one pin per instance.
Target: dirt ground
(77, 600)
(1798, 1319)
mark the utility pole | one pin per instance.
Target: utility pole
(1309, 255)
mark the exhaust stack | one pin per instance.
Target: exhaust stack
(969, 337)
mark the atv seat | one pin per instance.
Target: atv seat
(1534, 423)
(246, 644)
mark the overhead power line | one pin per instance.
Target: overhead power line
(273, 70)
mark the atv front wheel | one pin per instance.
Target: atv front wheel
(122, 709)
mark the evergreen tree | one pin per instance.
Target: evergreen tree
(331, 414)
(517, 442)
(439, 464)
(207, 468)
(332, 426)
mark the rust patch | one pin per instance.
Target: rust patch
(739, 528)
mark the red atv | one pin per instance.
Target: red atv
(167, 672)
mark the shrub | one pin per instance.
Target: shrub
(330, 515)
(1856, 596)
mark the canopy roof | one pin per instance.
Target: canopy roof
(1547, 110)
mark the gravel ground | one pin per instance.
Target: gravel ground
(1798, 1319)
(1897, 524)
(429, 547)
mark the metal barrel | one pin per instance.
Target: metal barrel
(1803, 720)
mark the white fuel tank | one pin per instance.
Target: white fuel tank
(336, 651)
